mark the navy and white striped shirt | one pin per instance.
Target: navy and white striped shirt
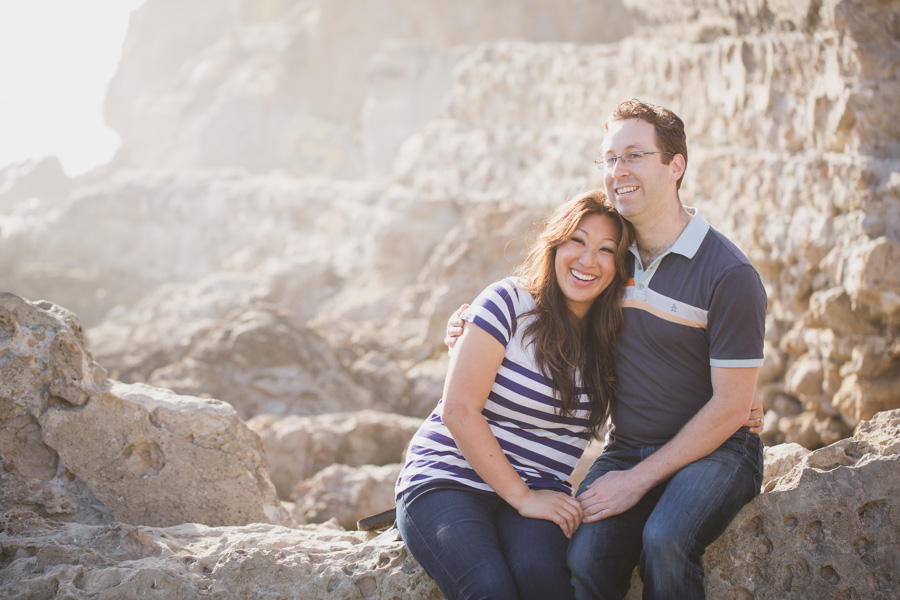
(520, 410)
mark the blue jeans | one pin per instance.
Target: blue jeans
(475, 545)
(668, 530)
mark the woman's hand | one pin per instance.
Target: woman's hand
(562, 509)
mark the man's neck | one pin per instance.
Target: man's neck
(655, 238)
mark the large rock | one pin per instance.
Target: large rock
(79, 446)
(346, 494)
(261, 360)
(826, 528)
(45, 559)
(364, 165)
(298, 447)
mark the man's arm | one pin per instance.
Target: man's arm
(455, 327)
(726, 411)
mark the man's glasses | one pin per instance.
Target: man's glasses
(629, 158)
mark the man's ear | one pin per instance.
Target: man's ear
(676, 168)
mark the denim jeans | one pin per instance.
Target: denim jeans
(475, 545)
(667, 531)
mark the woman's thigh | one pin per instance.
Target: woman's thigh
(452, 534)
(535, 550)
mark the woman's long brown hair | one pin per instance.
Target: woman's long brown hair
(563, 345)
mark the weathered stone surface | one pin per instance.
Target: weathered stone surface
(76, 445)
(827, 528)
(793, 155)
(261, 360)
(47, 559)
(298, 447)
(252, 64)
(346, 494)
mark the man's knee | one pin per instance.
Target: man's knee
(669, 540)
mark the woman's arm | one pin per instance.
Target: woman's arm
(474, 364)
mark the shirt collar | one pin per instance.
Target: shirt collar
(690, 239)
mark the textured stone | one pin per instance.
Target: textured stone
(47, 559)
(77, 445)
(298, 447)
(346, 494)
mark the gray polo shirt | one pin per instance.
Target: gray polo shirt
(700, 305)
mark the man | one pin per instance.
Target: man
(678, 465)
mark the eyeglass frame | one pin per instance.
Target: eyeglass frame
(602, 161)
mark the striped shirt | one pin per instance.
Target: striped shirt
(521, 410)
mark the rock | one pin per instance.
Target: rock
(299, 447)
(260, 360)
(48, 559)
(861, 398)
(344, 493)
(824, 529)
(781, 459)
(805, 377)
(33, 179)
(80, 446)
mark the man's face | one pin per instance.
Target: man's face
(639, 190)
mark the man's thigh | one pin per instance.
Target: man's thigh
(700, 501)
(603, 554)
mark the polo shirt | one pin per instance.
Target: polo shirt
(699, 305)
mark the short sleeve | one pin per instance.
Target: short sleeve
(495, 310)
(737, 320)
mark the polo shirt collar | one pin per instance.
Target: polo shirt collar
(690, 239)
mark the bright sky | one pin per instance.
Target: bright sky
(56, 59)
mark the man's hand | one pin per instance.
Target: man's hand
(755, 422)
(610, 494)
(455, 327)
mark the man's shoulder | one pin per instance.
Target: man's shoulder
(718, 247)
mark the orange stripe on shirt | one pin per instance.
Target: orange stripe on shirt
(666, 316)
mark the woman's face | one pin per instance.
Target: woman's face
(586, 263)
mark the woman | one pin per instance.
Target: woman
(482, 501)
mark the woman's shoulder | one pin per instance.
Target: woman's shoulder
(513, 287)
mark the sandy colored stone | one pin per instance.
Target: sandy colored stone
(298, 447)
(191, 561)
(80, 446)
(346, 494)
